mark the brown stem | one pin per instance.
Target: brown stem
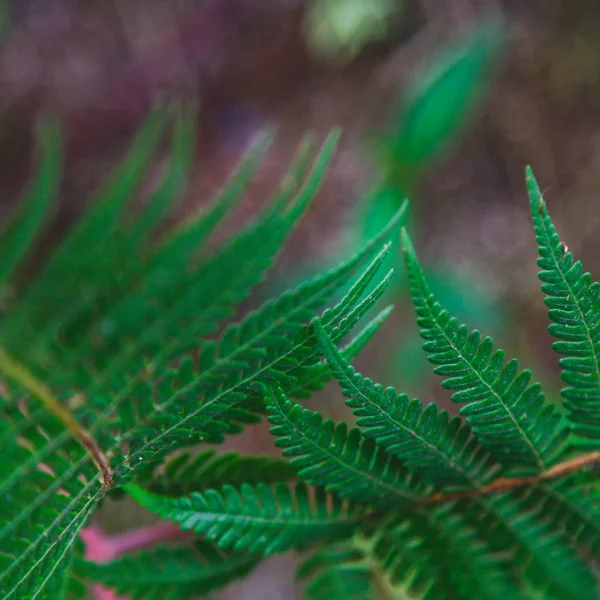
(509, 483)
(16, 371)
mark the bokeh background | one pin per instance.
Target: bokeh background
(492, 85)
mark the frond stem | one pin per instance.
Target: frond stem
(37, 389)
(508, 483)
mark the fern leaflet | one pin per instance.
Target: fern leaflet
(428, 442)
(508, 414)
(344, 462)
(257, 518)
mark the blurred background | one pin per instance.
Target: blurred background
(445, 102)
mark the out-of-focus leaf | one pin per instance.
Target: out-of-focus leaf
(440, 100)
(337, 30)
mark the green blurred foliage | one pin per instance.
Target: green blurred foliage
(337, 30)
(439, 102)
(435, 109)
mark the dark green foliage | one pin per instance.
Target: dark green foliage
(121, 355)
(170, 573)
(92, 396)
(339, 570)
(507, 412)
(344, 462)
(441, 449)
(188, 472)
(257, 518)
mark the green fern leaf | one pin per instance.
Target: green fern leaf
(344, 462)
(436, 555)
(77, 262)
(257, 518)
(28, 218)
(193, 302)
(508, 414)
(572, 504)
(574, 308)
(313, 378)
(66, 450)
(439, 449)
(188, 472)
(48, 487)
(516, 526)
(193, 403)
(170, 573)
(338, 570)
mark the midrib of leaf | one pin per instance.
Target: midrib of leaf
(283, 521)
(380, 483)
(582, 317)
(80, 518)
(48, 493)
(434, 316)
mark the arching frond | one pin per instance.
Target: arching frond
(133, 404)
(259, 518)
(574, 308)
(344, 462)
(509, 415)
(439, 449)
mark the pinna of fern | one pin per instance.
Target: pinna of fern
(498, 502)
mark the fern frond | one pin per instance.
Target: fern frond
(338, 570)
(77, 263)
(313, 378)
(536, 548)
(343, 462)
(195, 402)
(26, 221)
(508, 414)
(188, 472)
(572, 504)
(194, 301)
(439, 449)
(257, 518)
(170, 573)
(435, 555)
(574, 308)
(48, 487)
(52, 483)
